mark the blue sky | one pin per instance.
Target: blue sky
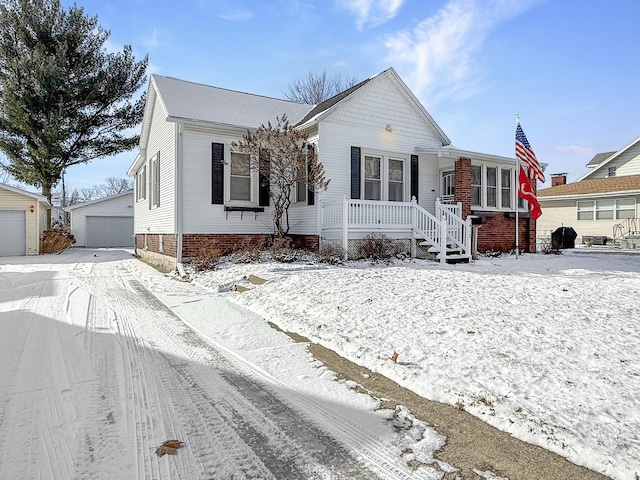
(570, 69)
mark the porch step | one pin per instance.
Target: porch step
(457, 258)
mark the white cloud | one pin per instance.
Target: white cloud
(152, 40)
(577, 149)
(371, 12)
(238, 16)
(439, 57)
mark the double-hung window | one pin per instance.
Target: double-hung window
(372, 177)
(476, 185)
(585, 210)
(154, 201)
(240, 177)
(505, 188)
(605, 209)
(625, 208)
(492, 187)
(396, 180)
(141, 183)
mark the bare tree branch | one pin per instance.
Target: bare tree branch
(315, 88)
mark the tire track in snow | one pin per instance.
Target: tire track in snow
(374, 452)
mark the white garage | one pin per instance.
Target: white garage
(107, 222)
(23, 218)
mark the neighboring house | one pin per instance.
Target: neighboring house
(106, 222)
(23, 219)
(600, 206)
(378, 145)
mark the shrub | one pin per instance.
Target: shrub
(282, 250)
(331, 253)
(376, 246)
(206, 258)
(55, 241)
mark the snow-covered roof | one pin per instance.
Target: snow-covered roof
(188, 101)
(104, 199)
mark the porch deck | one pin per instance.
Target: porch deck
(445, 234)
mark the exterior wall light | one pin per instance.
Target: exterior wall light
(32, 209)
(388, 128)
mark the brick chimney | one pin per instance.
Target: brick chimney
(558, 179)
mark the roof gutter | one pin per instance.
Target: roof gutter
(582, 196)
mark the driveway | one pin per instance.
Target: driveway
(98, 372)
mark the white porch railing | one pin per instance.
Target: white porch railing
(445, 230)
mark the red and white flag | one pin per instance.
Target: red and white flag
(525, 192)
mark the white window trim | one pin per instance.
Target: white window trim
(594, 209)
(254, 188)
(154, 182)
(384, 173)
(484, 187)
(141, 184)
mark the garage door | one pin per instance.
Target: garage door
(109, 232)
(13, 233)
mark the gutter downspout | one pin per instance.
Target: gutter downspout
(178, 201)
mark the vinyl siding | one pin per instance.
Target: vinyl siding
(558, 213)
(361, 122)
(15, 201)
(199, 214)
(152, 219)
(627, 163)
(113, 207)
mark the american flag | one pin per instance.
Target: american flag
(525, 154)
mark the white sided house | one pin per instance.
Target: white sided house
(392, 170)
(106, 222)
(23, 219)
(602, 205)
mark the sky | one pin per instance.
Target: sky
(569, 69)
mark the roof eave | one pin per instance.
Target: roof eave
(609, 160)
(578, 196)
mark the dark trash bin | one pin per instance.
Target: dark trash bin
(563, 237)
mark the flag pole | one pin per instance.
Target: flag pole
(517, 196)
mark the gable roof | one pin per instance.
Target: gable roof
(609, 160)
(627, 183)
(599, 158)
(92, 202)
(35, 196)
(188, 101)
(328, 106)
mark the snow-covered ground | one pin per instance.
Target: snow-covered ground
(97, 372)
(546, 347)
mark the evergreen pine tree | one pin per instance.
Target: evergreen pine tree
(64, 100)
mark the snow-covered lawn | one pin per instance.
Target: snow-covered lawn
(546, 347)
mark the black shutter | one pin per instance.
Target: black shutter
(414, 176)
(264, 184)
(217, 173)
(355, 172)
(311, 198)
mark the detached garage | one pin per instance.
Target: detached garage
(23, 218)
(107, 222)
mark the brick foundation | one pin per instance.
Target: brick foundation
(193, 243)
